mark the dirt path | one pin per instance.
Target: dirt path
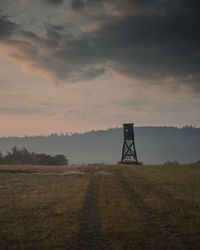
(174, 241)
(90, 238)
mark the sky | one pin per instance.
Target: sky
(81, 65)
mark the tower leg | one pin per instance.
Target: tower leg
(129, 155)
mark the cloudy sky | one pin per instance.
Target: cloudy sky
(78, 65)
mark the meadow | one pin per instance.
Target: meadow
(100, 207)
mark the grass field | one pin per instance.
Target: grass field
(100, 207)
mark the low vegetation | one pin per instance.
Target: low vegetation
(135, 207)
(41, 210)
(23, 156)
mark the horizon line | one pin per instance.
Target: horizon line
(94, 130)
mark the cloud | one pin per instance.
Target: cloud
(6, 27)
(151, 46)
(54, 2)
(153, 41)
(93, 72)
(18, 111)
(28, 34)
(80, 4)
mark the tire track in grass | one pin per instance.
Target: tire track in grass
(90, 238)
(174, 241)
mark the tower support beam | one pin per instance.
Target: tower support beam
(129, 155)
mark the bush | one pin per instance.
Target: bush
(169, 163)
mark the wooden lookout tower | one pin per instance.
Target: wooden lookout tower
(129, 155)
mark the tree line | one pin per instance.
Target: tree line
(23, 156)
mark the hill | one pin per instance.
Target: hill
(154, 145)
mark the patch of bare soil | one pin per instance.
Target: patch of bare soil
(102, 172)
(55, 173)
(38, 168)
(71, 173)
(90, 238)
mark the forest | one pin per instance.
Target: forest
(154, 145)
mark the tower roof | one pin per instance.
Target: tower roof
(128, 124)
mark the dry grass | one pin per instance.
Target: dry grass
(125, 223)
(172, 194)
(140, 207)
(40, 211)
(38, 168)
(123, 227)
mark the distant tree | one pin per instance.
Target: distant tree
(18, 156)
(1, 158)
(12, 157)
(61, 160)
(34, 158)
(53, 135)
(43, 159)
(23, 156)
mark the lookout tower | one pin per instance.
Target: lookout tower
(129, 155)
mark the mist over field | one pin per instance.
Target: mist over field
(154, 145)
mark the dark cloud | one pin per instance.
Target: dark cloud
(80, 4)
(29, 34)
(149, 40)
(154, 46)
(57, 27)
(6, 27)
(51, 38)
(92, 73)
(146, 46)
(53, 35)
(54, 2)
